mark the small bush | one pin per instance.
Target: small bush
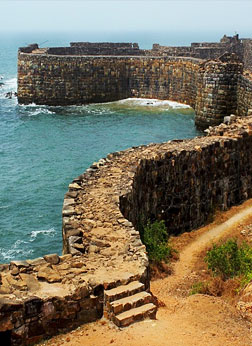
(155, 237)
(229, 260)
(199, 288)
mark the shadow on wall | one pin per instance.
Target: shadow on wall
(186, 186)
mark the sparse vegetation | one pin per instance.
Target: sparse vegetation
(228, 260)
(155, 237)
(199, 288)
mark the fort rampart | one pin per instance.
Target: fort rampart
(181, 182)
(209, 76)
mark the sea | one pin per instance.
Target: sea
(42, 148)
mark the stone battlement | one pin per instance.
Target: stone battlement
(178, 181)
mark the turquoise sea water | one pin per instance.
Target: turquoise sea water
(43, 148)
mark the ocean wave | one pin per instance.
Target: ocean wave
(151, 103)
(8, 85)
(4, 206)
(22, 248)
(40, 110)
(32, 110)
(18, 249)
(51, 232)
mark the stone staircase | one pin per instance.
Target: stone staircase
(129, 303)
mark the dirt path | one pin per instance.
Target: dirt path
(185, 265)
(197, 320)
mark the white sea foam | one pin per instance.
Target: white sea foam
(4, 206)
(40, 110)
(9, 85)
(51, 232)
(21, 248)
(152, 103)
(32, 110)
(17, 250)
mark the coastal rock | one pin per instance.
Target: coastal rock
(48, 274)
(53, 258)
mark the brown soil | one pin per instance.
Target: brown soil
(196, 320)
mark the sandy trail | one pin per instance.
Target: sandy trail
(185, 265)
(197, 320)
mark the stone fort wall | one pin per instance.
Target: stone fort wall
(204, 50)
(207, 76)
(59, 80)
(210, 87)
(181, 182)
(178, 181)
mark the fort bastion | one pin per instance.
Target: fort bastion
(210, 77)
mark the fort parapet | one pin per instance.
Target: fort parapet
(210, 77)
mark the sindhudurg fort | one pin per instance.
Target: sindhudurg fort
(104, 268)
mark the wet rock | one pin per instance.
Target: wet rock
(10, 94)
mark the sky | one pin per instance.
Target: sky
(131, 15)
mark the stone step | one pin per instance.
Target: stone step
(123, 291)
(127, 303)
(133, 315)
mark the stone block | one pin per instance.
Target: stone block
(52, 259)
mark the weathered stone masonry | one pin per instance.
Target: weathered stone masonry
(185, 185)
(208, 76)
(61, 80)
(179, 181)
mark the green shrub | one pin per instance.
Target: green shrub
(155, 237)
(229, 260)
(199, 288)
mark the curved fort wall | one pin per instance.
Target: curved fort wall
(210, 87)
(62, 80)
(207, 76)
(178, 181)
(181, 182)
